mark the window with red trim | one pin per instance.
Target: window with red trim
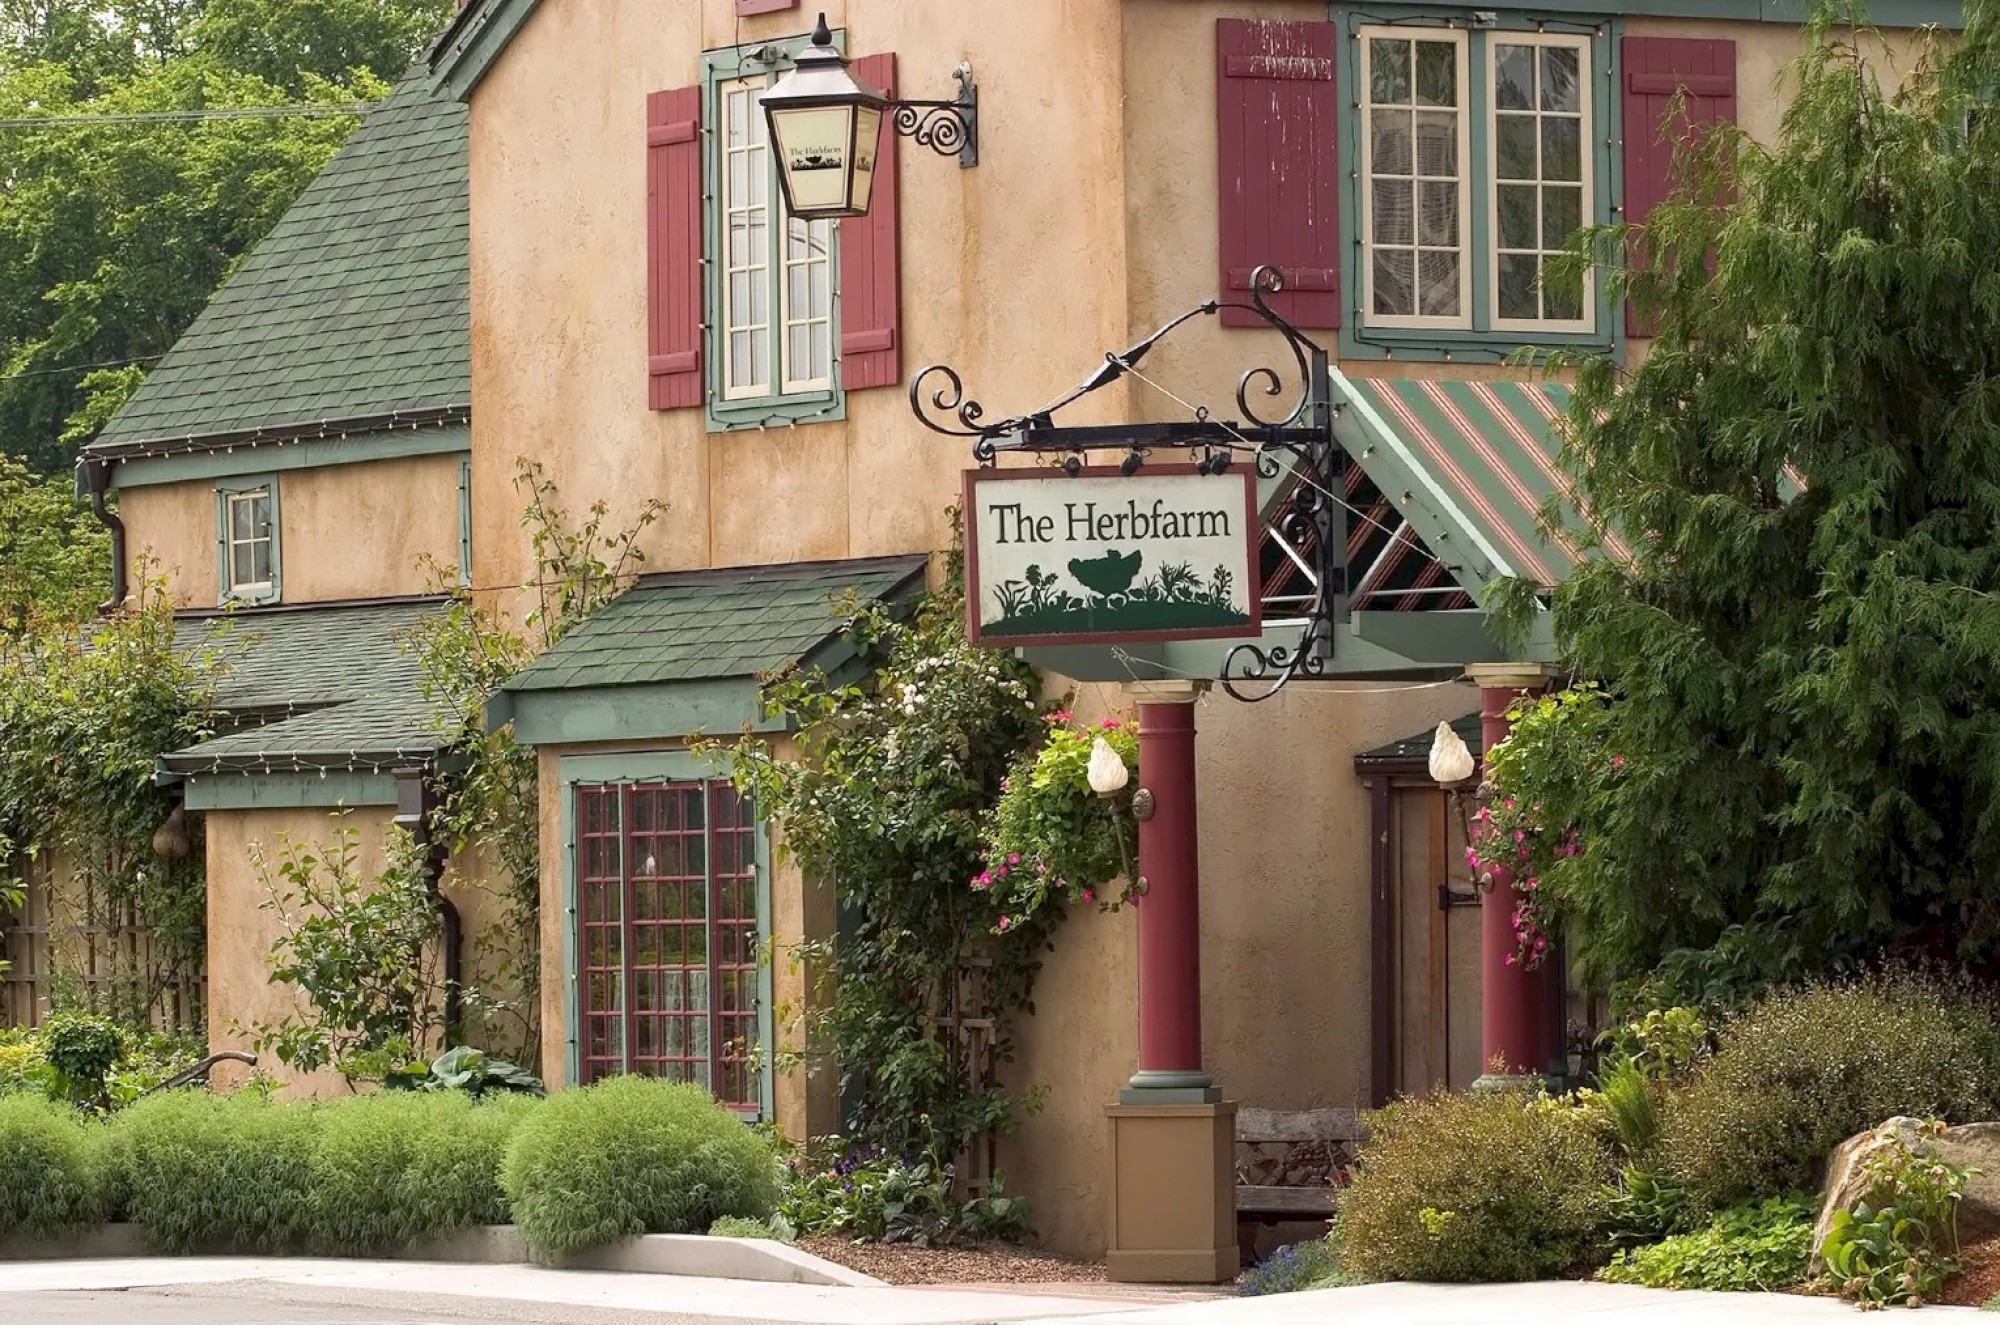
(667, 935)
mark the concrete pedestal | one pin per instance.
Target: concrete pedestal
(1173, 1193)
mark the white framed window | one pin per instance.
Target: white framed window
(1477, 164)
(247, 540)
(776, 297)
(1539, 123)
(1415, 205)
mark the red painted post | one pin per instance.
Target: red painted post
(1515, 1010)
(1170, 911)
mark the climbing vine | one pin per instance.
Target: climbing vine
(890, 792)
(84, 713)
(488, 793)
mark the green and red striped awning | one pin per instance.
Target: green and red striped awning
(1468, 464)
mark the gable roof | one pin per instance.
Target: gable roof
(312, 688)
(478, 34)
(355, 309)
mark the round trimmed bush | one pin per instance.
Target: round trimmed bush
(202, 1172)
(1476, 1188)
(394, 1168)
(630, 1156)
(48, 1176)
(1803, 1071)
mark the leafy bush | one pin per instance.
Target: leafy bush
(1801, 1072)
(82, 1049)
(198, 1171)
(22, 1066)
(1901, 1244)
(630, 1156)
(1749, 1248)
(1644, 1207)
(467, 1069)
(873, 1197)
(1476, 1188)
(48, 1178)
(395, 1168)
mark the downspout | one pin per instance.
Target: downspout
(416, 805)
(93, 479)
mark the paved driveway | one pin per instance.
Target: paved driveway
(330, 1292)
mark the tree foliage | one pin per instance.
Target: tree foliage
(114, 234)
(1802, 654)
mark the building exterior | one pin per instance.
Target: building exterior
(596, 181)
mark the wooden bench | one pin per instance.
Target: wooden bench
(1291, 1166)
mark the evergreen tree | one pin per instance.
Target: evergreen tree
(1801, 657)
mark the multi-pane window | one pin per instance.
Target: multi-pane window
(667, 935)
(1416, 222)
(776, 270)
(248, 517)
(1541, 172)
(1470, 185)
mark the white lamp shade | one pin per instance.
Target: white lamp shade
(1451, 761)
(1107, 772)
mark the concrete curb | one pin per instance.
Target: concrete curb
(763, 1259)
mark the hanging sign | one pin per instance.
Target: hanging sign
(1103, 557)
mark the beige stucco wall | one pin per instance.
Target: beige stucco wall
(240, 932)
(345, 531)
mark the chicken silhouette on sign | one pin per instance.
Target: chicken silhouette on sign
(1108, 576)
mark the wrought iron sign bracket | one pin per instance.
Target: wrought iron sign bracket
(1301, 441)
(946, 127)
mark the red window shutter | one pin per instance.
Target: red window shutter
(1655, 69)
(870, 311)
(673, 248)
(1277, 150)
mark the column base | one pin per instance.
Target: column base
(1173, 1193)
(1154, 1087)
(1511, 1081)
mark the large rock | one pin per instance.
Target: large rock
(1975, 1146)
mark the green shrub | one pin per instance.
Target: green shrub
(1901, 1244)
(395, 1168)
(22, 1066)
(200, 1172)
(49, 1183)
(736, 1226)
(82, 1049)
(1746, 1249)
(870, 1196)
(1801, 1072)
(1476, 1187)
(630, 1156)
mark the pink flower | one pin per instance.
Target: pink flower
(1472, 858)
(1510, 959)
(1013, 857)
(1006, 784)
(1041, 867)
(1110, 725)
(1000, 873)
(1058, 716)
(1003, 923)
(1618, 761)
(1520, 836)
(1089, 895)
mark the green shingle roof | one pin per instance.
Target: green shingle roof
(355, 306)
(1418, 745)
(333, 682)
(713, 625)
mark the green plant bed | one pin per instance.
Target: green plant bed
(50, 1185)
(395, 1168)
(1749, 1249)
(630, 1156)
(201, 1172)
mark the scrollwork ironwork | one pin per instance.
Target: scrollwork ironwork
(1300, 440)
(941, 126)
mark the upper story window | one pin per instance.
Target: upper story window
(247, 539)
(1470, 185)
(777, 271)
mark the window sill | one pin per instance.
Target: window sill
(1383, 344)
(776, 412)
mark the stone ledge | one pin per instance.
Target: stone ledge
(762, 1259)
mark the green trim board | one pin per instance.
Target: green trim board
(573, 771)
(288, 791)
(225, 492)
(631, 713)
(276, 456)
(474, 42)
(465, 522)
(1482, 342)
(777, 409)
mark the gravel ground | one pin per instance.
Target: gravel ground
(992, 1264)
